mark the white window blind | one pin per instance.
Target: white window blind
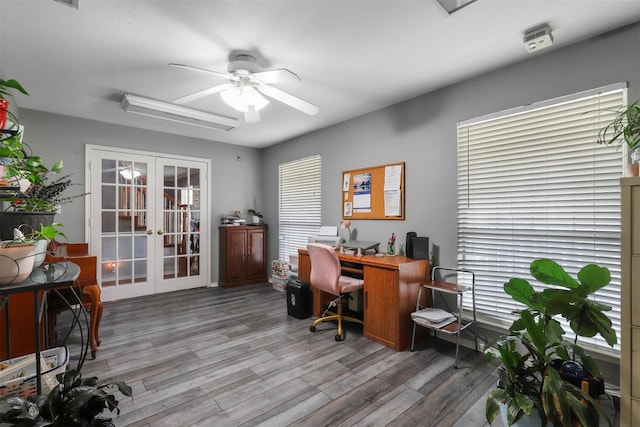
(300, 203)
(533, 183)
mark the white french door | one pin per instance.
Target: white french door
(149, 226)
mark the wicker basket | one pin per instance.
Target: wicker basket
(18, 378)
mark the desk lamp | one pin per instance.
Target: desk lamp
(346, 223)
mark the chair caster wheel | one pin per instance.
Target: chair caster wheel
(339, 337)
(312, 328)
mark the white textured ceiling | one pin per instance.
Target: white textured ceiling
(353, 56)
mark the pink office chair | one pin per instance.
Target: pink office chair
(326, 276)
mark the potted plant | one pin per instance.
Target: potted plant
(10, 132)
(539, 366)
(37, 203)
(74, 402)
(25, 184)
(36, 199)
(40, 238)
(27, 250)
(16, 261)
(624, 129)
(256, 217)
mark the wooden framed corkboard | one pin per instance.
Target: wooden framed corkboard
(375, 192)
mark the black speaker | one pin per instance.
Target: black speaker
(419, 248)
(409, 244)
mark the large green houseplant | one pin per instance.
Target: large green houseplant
(536, 348)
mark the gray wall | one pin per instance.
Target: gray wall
(233, 183)
(422, 133)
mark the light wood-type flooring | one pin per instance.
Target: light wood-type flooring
(233, 357)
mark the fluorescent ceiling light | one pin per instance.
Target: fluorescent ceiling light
(453, 5)
(176, 113)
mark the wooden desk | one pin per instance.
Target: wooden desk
(391, 286)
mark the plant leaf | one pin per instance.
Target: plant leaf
(594, 277)
(520, 290)
(554, 400)
(551, 273)
(492, 407)
(13, 84)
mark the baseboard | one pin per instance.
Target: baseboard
(464, 342)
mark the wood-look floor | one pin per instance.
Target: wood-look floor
(216, 357)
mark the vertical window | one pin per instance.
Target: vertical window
(533, 183)
(300, 204)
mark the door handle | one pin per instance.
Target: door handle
(160, 232)
(149, 231)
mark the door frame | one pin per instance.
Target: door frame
(205, 237)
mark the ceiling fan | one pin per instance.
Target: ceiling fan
(247, 83)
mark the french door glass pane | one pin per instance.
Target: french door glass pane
(181, 216)
(124, 222)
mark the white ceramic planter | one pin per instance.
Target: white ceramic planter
(16, 263)
(40, 252)
(525, 421)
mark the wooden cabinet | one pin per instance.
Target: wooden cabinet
(243, 255)
(630, 340)
(391, 286)
(380, 305)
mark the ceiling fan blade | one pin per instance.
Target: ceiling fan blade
(281, 75)
(251, 115)
(289, 99)
(202, 70)
(202, 93)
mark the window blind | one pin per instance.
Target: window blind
(533, 183)
(300, 203)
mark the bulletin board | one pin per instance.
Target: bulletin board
(375, 192)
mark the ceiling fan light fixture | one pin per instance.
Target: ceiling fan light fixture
(129, 173)
(241, 98)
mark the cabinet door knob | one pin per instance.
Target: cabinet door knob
(160, 232)
(149, 231)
